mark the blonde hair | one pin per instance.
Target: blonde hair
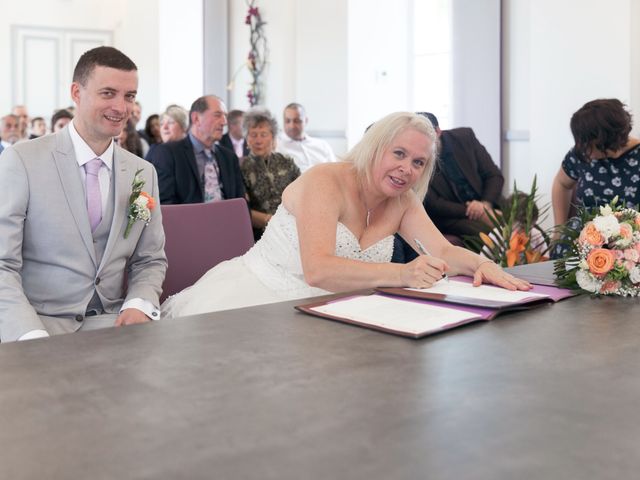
(367, 153)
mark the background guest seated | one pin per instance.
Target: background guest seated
(9, 131)
(196, 169)
(60, 119)
(234, 138)
(130, 140)
(151, 132)
(266, 173)
(38, 128)
(305, 150)
(174, 123)
(465, 182)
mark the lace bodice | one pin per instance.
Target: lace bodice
(275, 259)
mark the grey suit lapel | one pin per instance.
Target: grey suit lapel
(67, 165)
(123, 171)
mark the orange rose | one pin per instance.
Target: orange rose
(151, 203)
(591, 235)
(600, 261)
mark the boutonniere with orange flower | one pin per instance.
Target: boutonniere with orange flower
(604, 255)
(516, 237)
(140, 203)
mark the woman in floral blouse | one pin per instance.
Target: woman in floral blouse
(603, 164)
(266, 173)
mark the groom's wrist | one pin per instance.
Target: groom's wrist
(144, 306)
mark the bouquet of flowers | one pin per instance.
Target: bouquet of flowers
(516, 237)
(604, 255)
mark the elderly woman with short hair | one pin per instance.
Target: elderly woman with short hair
(266, 173)
(174, 123)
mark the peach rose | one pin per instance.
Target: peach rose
(591, 235)
(637, 220)
(600, 261)
(626, 231)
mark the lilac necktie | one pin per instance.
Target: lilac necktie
(94, 197)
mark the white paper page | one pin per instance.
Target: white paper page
(483, 292)
(394, 314)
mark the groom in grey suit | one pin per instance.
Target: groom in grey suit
(65, 263)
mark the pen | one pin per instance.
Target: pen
(424, 251)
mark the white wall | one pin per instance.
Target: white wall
(379, 53)
(180, 77)
(134, 26)
(558, 56)
(476, 71)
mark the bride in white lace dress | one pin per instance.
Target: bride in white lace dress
(334, 230)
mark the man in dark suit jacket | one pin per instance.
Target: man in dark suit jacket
(464, 183)
(181, 165)
(234, 138)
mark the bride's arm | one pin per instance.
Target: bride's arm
(416, 224)
(318, 202)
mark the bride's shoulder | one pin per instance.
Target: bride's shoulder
(322, 184)
(327, 175)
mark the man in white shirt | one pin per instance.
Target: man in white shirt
(67, 243)
(306, 151)
(234, 138)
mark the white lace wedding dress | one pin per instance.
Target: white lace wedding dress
(270, 272)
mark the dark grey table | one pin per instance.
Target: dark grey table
(270, 393)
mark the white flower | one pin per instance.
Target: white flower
(606, 209)
(607, 225)
(144, 214)
(141, 201)
(583, 264)
(587, 281)
(634, 274)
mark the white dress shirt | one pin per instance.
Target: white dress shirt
(238, 146)
(306, 152)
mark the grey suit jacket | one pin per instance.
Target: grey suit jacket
(48, 268)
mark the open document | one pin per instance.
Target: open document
(394, 315)
(419, 312)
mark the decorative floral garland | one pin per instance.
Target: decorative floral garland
(257, 58)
